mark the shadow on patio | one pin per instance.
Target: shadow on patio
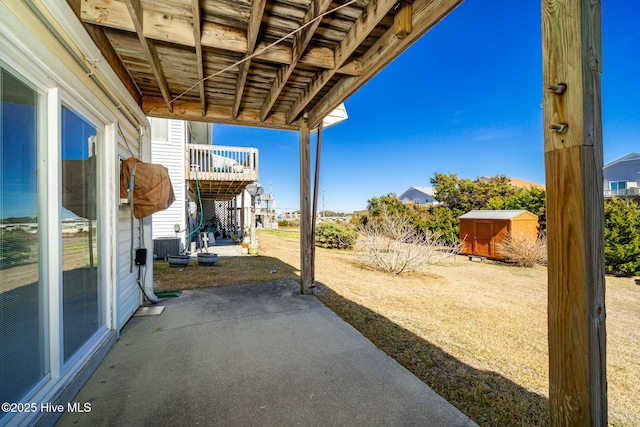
(486, 396)
(258, 354)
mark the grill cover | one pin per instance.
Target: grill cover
(152, 190)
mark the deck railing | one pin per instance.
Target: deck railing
(221, 163)
(625, 192)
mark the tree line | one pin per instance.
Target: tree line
(457, 196)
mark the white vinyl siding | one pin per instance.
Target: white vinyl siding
(127, 295)
(171, 154)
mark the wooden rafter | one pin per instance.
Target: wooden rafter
(101, 39)
(184, 110)
(359, 31)
(257, 10)
(255, 83)
(197, 34)
(426, 13)
(300, 41)
(115, 15)
(135, 11)
(402, 19)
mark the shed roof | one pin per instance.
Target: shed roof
(497, 214)
(257, 63)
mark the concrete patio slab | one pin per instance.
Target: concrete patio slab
(253, 355)
(225, 248)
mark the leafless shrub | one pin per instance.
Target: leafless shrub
(523, 250)
(392, 244)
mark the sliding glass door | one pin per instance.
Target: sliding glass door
(51, 305)
(23, 337)
(82, 301)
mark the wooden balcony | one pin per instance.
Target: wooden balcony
(221, 172)
(632, 192)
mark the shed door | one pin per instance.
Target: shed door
(484, 235)
(500, 231)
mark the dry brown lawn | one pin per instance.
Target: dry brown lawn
(474, 332)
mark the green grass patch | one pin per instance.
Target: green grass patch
(282, 232)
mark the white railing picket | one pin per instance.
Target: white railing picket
(222, 163)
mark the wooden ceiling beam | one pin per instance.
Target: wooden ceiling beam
(185, 110)
(360, 30)
(300, 41)
(177, 30)
(319, 57)
(402, 19)
(135, 11)
(426, 13)
(99, 37)
(257, 10)
(197, 35)
(255, 19)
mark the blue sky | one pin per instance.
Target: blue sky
(464, 99)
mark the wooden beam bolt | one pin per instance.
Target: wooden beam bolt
(559, 127)
(558, 89)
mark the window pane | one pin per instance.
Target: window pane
(22, 337)
(81, 300)
(159, 129)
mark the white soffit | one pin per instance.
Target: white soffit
(338, 115)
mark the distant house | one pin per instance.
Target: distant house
(621, 177)
(290, 216)
(209, 184)
(517, 183)
(422, 196)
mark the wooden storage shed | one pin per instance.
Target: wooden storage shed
(480, 231)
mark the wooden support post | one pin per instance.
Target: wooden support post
(306, 240)
(575, 212)
(314, 216)
(243, 214)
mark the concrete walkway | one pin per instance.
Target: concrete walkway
(253, 355)
(225, 248)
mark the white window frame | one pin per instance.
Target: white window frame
(101, 125)
(617, 184)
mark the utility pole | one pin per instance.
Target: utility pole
(322, 202)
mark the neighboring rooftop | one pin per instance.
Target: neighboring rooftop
(517, 182)
(627, 158)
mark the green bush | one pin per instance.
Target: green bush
(14, 248)
(621, 237)
(335, 235)
(288, 223)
